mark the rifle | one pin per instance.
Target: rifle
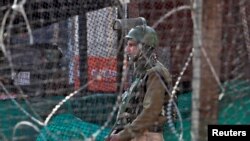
(126, 96)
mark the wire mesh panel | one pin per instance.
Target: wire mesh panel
(235, 63)
(51, 54)
(63, 66)
(102, 50)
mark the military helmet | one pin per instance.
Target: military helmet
(143, 34)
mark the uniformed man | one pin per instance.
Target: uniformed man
(141, 116)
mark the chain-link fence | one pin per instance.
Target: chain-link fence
(63, 65)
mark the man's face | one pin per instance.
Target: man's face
(132, 50)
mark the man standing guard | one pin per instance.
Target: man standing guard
(141, 115)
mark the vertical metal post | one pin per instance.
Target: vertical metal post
(207, 21)
(197, 43)
(83, 48)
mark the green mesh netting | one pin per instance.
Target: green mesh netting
(67, 127)
(233, 109)
(234, 106)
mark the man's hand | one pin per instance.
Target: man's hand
(113, 137)
(107, 139)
